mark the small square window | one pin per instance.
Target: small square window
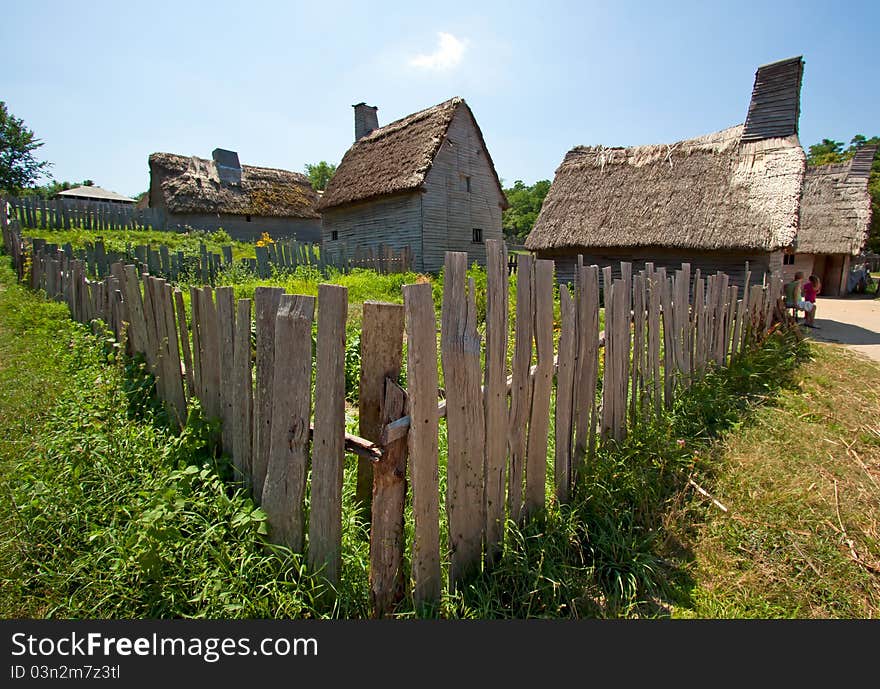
(788, 259)
(477, 236)
(247, 218)
(467, 184)
(334, 235)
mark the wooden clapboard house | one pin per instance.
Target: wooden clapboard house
(242, 199)
(835, 217)
(426, 182)
(715, 201)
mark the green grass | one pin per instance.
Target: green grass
(105, 513)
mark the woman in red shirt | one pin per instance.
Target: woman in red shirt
(811, 288)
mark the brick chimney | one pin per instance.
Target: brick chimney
(365, 120)
(228, 167)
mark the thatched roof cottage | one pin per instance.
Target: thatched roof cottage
(835, 217)
(242, 199)
(715, 201)
(426, 181)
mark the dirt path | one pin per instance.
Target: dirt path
(854, 322)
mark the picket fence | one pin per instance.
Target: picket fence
(63, 214)
(282, 405)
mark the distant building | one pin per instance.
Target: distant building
(426, 181)
(715, 201)
(835, 218)
(242, 199)
(93, 193)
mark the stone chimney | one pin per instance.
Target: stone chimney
(228, 167)
(365, 120)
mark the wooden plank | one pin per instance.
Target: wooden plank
(137, 325)
(153, 288)
(195, 303)
(328, 445)
(732, 294)
(565, 378)
(226, 332)
(422, 383)
(184, 341)
(495, 396)
(521, 390)
(381, 352)
(542, 387)
(243, 393)
(460, 353)
(285, 484)
(209, 340)
(176, 394)
(623, 314)
(668, 334)
(151, 326)
(637, 373)
(606, 420)
(266, 302)
(387, 534)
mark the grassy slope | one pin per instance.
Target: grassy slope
(783, 549)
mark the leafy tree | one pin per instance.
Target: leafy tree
(830, 151)
(320, 174)
(18, 166)
(525, 204)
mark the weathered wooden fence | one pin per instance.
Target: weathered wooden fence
(282, 405)
(62, 214)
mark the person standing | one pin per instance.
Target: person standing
(811, 289)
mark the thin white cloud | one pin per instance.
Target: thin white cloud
(449, 53)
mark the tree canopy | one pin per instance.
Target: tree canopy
(830, 151)
(525, 204)
(19, 168)
(320, 174)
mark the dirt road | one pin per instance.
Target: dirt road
(854, 322)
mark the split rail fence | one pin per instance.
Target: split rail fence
(282, 403)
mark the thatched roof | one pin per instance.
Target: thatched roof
(836, 206)
(712, 192)
(93, 193)
(396, 158)
(193, 185)
(724, 190)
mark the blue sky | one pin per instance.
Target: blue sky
(104, 84)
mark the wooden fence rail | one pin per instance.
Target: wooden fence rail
(662, 333)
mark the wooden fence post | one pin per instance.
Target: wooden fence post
(565, 379)
(226, 330)
(387, 535)
(184, 341)
(381, 352)
(521, 388)
(422, 382)
(266, 301)
(328, 446)
(285, 484)
(209, 341)
(243, 393)
(460, 353)
(495, 396)
(542, 388)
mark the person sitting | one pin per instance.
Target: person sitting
(792, 292)
(811, 288)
